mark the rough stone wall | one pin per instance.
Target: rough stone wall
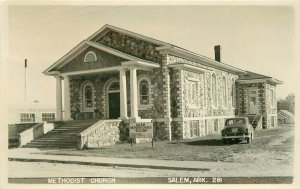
(99, 94)
(264, 102)
(210, 119)
(243, 98)
(205, 107)
(130, 45)
(105, 134)
(104, 59)
(271, 107)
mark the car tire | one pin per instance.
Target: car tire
(248, 140)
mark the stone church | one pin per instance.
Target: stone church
(117, 74)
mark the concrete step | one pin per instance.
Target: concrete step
(64, 136)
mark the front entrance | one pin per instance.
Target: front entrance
(252, 95)
(114, 105)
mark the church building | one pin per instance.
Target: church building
(117, 74)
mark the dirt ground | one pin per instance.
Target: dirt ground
(278, 142)
(270, 153)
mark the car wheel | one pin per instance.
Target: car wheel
(248, 140)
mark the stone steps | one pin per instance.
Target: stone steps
(63, 136)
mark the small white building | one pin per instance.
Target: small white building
(285, 116)
(32, 113)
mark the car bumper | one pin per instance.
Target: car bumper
(236, 137)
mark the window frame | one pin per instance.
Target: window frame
(90, 52)
(214, 96)
(148, 80)
(224, 93)
(30, 119)
(48, 118)
(190, 91)
(84, 105)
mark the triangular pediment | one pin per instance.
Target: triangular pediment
(129, 42)
(103, 60)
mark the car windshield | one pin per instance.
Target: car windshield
(235, 121)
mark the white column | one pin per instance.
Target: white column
(58, 99)
(133, 93)
(123, 94)
(67, 105)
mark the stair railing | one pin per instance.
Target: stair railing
(95, 136)
(254, 119)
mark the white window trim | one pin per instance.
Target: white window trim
(204, 92)
(273, 100)
(90, 52)
(197, 105)
(84, 108)
(233, 97)
(214, 102)
(107, 92)
(141, 78)
(224, 96)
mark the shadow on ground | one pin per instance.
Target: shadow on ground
(209, 142)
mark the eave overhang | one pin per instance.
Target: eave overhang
(184, 66)
(268, 79)
(169, 49)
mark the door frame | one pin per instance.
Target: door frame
(256, 91)
(107, 94)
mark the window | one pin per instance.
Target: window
(90, 57)
(48, 116)
(272, 97)
(224, 93)
(192, 88)
(216, 125)
(88, 96)
(27, 117)
(144, 91)
(214, 90)
(115, 86)
(233, 93)
(194, 128)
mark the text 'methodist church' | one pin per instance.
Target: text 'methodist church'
(119, 74)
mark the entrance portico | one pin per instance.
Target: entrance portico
(131, 66)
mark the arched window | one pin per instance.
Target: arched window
(144, 91)
(88, 96)
(214, 90)
(114, 86)
(224, 95)
(233, 93)
(90, 57)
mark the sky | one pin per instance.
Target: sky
(255, 38)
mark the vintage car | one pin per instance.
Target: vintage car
(237, 129)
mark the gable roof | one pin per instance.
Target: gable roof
(255, 76)
(162, 46)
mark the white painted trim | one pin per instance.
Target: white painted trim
(275, 81)
(140, 64)
(76, 50)
(183, 53)
(214, 105)
(189, 68)
(140, 78)
(106, 88)
(99, 70)
(84, 85)
(86, 54)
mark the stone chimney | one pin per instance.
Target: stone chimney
(218, 53)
